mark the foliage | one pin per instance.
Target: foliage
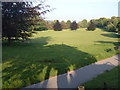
(19, 19)
(108, 24)
(73, 25)
(57, 26)
(83, 24)
(49, 25)
(40, 25)
(99, 23)
(118, 27)
(64, 25)
(68, 24)
(111, 28)
(91, 26)
(103, 22)
(114, 20)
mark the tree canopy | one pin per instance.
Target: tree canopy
(91, 26)
(57, 26)
(18, 19)
(83, 23)
(64, 25)
(68, 24)
(74, 25)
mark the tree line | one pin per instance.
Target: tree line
(108, 24)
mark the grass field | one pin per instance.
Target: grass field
(111, 78)
(51, 53)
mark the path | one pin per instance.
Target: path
(77, 77)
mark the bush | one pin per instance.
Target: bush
(83, 24)
(41, 29)
(73, 25)
(111, 28)
(57, 26)
(91, 26)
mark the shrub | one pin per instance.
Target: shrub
(41, 29)
(57, 26)
(73, 25)
(83, 23)
(91, 26)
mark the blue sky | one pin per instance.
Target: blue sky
(81, 9)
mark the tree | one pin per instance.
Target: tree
(102, 22)
(91, 26)
(114, 20)
(68, 24)
(49, 25)
(40, 26)
(74, 25)
(83, 23)
(19, 18)
(64, 25)
(118, 27)
(111, 28)
(95, 21)
(57, 26)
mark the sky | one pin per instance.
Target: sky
(77, 10)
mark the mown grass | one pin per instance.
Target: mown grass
(51, 53)
(109, 79)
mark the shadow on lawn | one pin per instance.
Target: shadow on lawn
(79, 77)
(111, 35)
(25, 64)
(109, 42)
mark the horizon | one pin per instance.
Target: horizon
(77, 21)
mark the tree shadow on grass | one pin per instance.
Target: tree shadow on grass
(73, 79)
(27, 64)
(111, 35)
(37, 41)
(115, 43)
(109, 42)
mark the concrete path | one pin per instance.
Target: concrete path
(77, 77)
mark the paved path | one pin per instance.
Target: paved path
(77, 77)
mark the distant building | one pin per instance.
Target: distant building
(119, 9)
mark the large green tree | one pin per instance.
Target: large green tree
(64, 25)
(114, 20)
(83, 23)
(111, 27)
(68, 24)
(40, 25)
(91, 26)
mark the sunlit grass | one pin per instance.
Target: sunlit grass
(111, 78)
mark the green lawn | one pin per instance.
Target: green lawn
(51, 53)
(109, 77)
